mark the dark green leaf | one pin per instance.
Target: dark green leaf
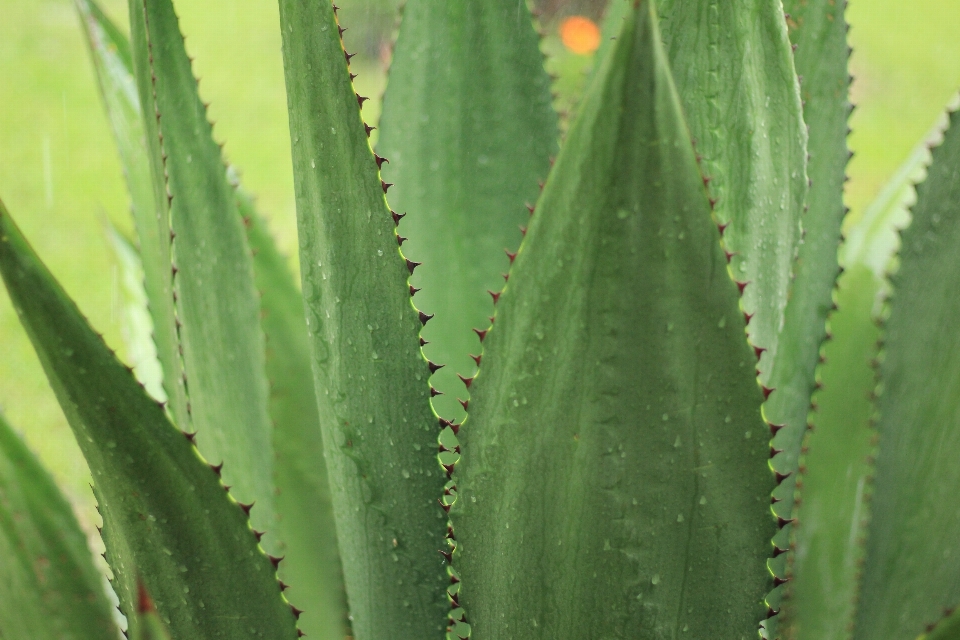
(167, 520)
(49, 587)
(379, 432)
(614, 480)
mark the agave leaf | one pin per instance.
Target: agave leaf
(305, 524)
(831, 519)
(371, 381)
(167, 519)
(136, 325)
(819, 31)
(113, 60)
(828, 536)
(911, 573)
(624, 474)
(614, 14)
(216, 302)
(468, 131)
(947, 629)
(734, 71)
(49, 587)
(150, 626)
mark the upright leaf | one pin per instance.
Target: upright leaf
(735, 74)
(216, 303)
(113, 60)
(305, 524)
(614, 480)
(819, 31)
(379, 432)
(834, 483)
(912, 571)
(468, 131)
(49, 587)
(167, 520)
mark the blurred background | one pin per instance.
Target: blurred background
(60, 174)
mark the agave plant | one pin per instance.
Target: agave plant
(677, 422)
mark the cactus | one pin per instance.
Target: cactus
(689, 409)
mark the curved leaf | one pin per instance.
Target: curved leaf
(305, 525)
(371, 381)
(468, 130)
(614, 480)
(911, 572)
(834, 485)
(113, 60)
(218, 314)
(49, 587)
(167, 520)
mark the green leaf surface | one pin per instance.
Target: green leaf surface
(468, 131)
(829, 539)
(167, 520)
(305, 525)
(218, 313)
(947, 629)
(614, 480)
(149, 625)
(379, 431)
(835, 469)
(735, 74)
(113, 60)
(135, 324)
(819, 31)
(911, 572)
(49, 587)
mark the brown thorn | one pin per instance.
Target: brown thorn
(368, 128)
(258, 534)
(246, 507)
(386, 185)
(481, 333)
(400, 240)
(434, 393)
(512, 256)
(466, 381)
(275, 561)
(434, 367)
(425, 318)
(397, 217)
(380, 160)
(495, 296)
(296, 612)
(476, 358)
(413, 290)
(412, 265)
(192, 437)
(464, 403)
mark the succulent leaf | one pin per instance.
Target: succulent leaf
(167, 519)
(615, 478)
(371, 380)
(911, 573)
(136, 325)
(218, 314)
(113, 60)
(819, 31)
(49, 587)
(835, 482)
(734, 71)
(468, 131)
(305, 524)
(947, 629)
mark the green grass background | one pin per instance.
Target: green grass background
(60, 175)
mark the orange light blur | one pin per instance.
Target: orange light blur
(580, 34)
